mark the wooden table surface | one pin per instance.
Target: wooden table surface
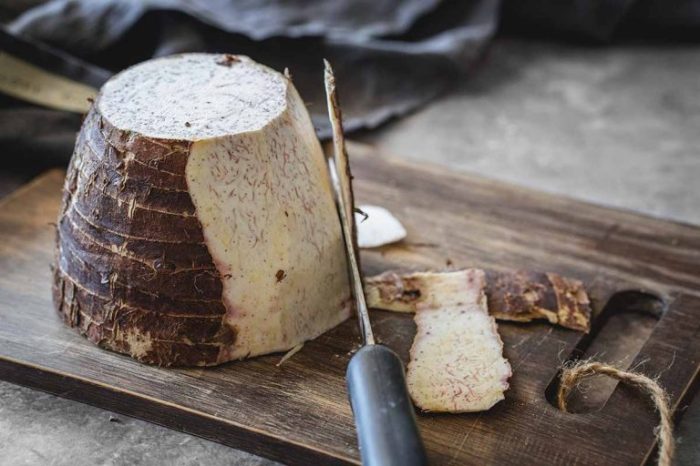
(299, 413)
(615, 125)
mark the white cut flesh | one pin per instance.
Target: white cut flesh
(456, 361)
(257, 177)
(378, 228)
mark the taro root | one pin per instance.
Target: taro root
(198, 224)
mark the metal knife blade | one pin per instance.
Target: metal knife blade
(387, 432)
(341, 180)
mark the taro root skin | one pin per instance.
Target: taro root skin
(521, 296)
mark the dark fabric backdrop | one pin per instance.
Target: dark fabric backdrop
(390, 56)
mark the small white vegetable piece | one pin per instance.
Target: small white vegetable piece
(456, 359)
(378, 228)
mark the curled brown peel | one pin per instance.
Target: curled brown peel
(521, 296)
(340, 153)
(573, 306)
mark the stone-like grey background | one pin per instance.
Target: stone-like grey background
(617, 126)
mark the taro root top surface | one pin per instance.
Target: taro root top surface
(194, 96)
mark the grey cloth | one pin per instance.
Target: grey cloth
(257, 19)
(390, 56)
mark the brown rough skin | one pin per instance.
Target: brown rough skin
(520, 296)
(525, 296)
(136, 287)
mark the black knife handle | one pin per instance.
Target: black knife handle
(386, 423)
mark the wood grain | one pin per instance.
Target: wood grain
(298, 413)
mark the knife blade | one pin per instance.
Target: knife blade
(385, 420)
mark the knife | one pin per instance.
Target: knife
(385, 420)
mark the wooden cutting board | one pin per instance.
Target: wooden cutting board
(298, 412)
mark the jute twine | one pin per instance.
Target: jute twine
(573, 374)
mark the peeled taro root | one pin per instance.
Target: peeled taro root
(198, 224)
(457, 362)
